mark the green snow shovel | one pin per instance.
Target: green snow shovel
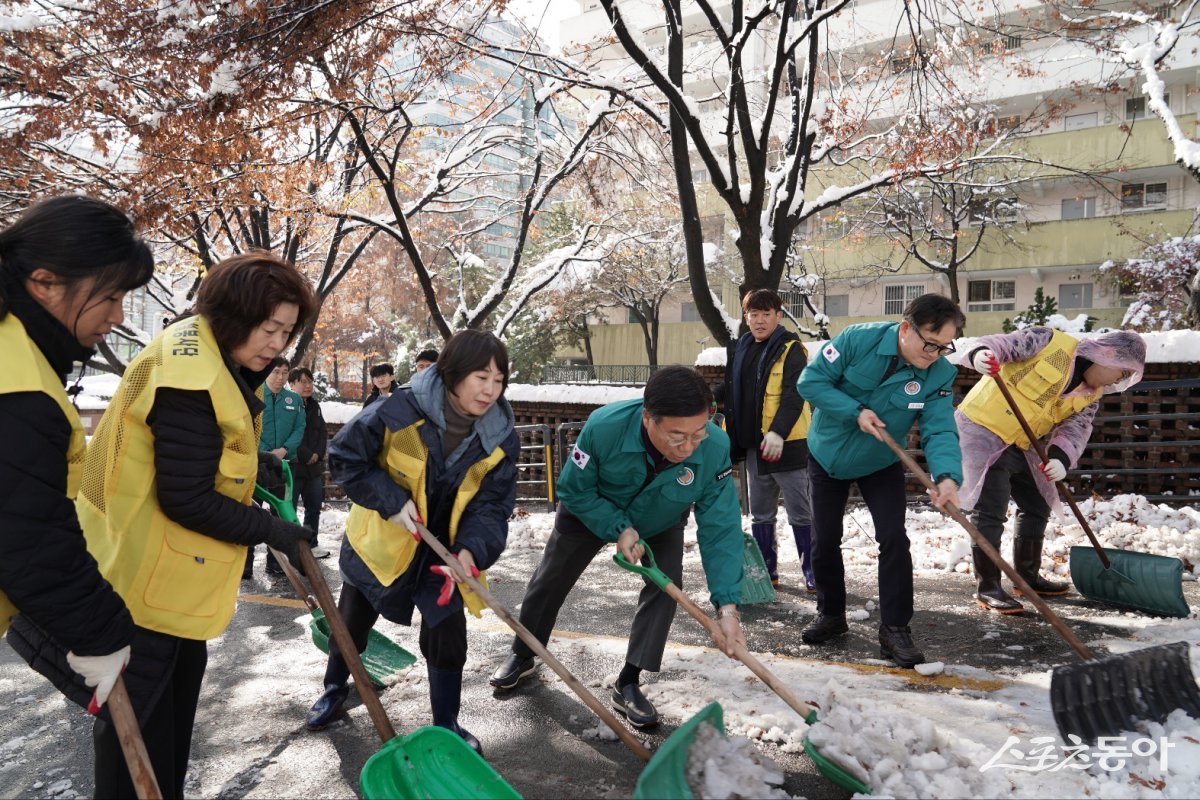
(756, 581)
(828, 768)
(1102, 696)
(1109, 577)
(383, 657)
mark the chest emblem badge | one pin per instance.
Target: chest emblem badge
(685, 477)
(912, 387)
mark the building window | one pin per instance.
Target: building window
(991, 295)
(837, 305)
(991, 210)
(688, 312)
(1079, 208)
(1137, 196)
(1012, 42)
(1074, 295)
(1077, 122)
(898, 296)
(700, 176)
(1135, 107)
(793, 302)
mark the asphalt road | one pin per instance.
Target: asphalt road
(264, 673)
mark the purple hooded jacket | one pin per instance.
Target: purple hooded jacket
(1123, 350)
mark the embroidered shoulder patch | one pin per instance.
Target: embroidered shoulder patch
(830, 352)
(723, 475)
(580, 458)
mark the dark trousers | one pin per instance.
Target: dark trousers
(567, 555)
(311, 493)
(167, 731)
(444, 646)
(884, 494)
(1010, 476)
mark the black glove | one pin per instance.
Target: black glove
(284, 537)
(270, 473)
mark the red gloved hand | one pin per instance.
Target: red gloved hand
(448, 587)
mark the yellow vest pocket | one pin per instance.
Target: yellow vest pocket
(189, 566)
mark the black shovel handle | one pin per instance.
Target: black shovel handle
(1062, 486)
(956, 514)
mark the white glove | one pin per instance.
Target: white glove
(100, 672)
(772, 446)
(985, 362)
(1054, 470)
(407, 517)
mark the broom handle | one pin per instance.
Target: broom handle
(537, 647)
(129, 734)
(1062, 486)
(983, 544)
(744, 655)
(337, 626)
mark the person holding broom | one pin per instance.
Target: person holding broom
(442, 452)
(1056, 382)
(636, 470)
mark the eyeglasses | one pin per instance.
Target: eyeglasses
(680, 441)
(931, 347)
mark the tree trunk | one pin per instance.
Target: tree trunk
(654, 339)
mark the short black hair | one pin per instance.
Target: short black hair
(932, 311)
(762, 300)
(298, 373)
(382, 369)
(468, 351)
(428, 355)
(676, 391)
(279, 361)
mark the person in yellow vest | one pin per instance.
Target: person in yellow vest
(767, 422)
(165, 501)
(1056, 380)
(443, 451)
(65, 267)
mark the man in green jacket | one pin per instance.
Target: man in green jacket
(283, 423)
(872, 376)
(637, 469)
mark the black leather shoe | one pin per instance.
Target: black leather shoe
(327, 707)
(895, 642)
(510, 673)
(630, 701)
(823, 628)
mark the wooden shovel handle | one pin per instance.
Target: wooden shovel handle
(341, 634)
(1062, 486)
(129, 734)
(294, 579)
(957, 515)
(537, 647)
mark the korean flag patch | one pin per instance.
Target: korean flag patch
(580, 458)
(830, 352)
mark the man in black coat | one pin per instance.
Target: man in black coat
(308, 469)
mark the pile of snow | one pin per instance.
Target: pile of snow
(529, 531)
(720, 768)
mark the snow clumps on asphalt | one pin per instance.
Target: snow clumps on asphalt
(720, 768)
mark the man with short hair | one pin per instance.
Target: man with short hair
(309, 466)
(879, 376)
(383, 383)
(636, 470)
(282, 430)
(425, 360)
(767, 421)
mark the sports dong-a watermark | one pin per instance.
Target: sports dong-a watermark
(1047, 754)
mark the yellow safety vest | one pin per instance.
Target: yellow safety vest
(27, 370)
(173, 580)
(1037, 385)
(773, 395)
(387, 548)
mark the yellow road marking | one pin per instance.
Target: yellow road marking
(268, 600)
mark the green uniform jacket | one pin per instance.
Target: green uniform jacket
(605, 485)
(846, 373)
(283, 422)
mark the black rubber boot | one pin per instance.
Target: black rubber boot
(445, 698)
(895, 642)
(328, 706)
(823, 628)
(764, 536)
(990, 595)
(803, 536)
(1027, 558)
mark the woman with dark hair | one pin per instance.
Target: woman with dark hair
(65, 267)
(166, 497)
(450, 452)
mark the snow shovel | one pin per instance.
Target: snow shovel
(383, 657)
(828, 768)
(756, 581)
(537, 647)
(129, 734)
(1159, 589)
(1102, 696)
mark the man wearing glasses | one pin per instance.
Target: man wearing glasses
(1056, 381)
(872, 376)
(636, 470)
